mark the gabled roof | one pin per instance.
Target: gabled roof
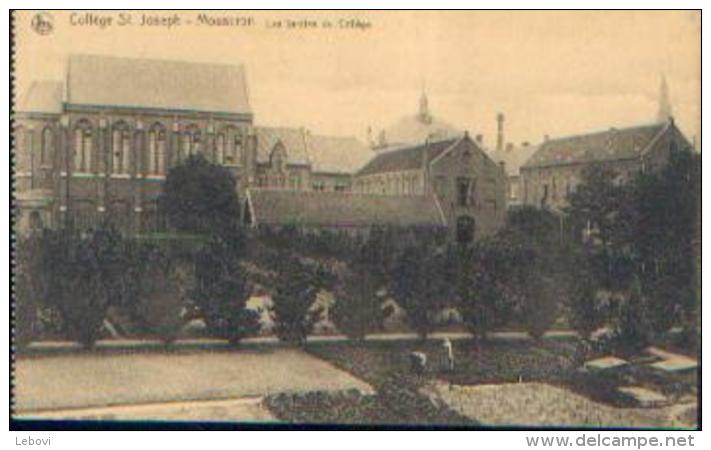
(513, 157)
(405, 158)
(43, 97)
(333, 154)
(293, 140)
(336, 154)
(612, 144)
(156, 84)
(341, 210)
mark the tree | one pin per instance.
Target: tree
(359, 307)
(82, 275)
(222, 288)
(200, 197)
(632, 325)
(419, 285)
(296, 283)
(483, 273)
(535, 263)
(585, 311)
(27, 291)
(159, 298)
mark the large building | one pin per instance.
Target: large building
(97, 147)
(99, 144)
(556, 168)
(469, 188)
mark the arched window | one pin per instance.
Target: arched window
(236, 148)
(47, 148)
(220, 149)
(121, 148)
(277, 158)
(190, 144)
(83, 146)
(156, 149)
(21, 151)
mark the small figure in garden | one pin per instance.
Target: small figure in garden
(418, 362)
(448, 360)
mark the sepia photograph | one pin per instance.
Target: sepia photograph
(356, 220)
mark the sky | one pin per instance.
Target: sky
(551, 73)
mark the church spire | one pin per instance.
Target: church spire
(424, 114)
(665, 108)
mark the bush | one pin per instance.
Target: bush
(221, 288)
(358, 308)
(296, 284)
(161, 298)
(82, 276)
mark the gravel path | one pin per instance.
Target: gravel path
(90, 380)
(539, 404)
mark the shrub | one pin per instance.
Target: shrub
(296, 284)
(358, 308)
(221, 288)
(82, 275)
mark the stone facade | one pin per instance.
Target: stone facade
(470, 188)
(556, 169)
(93, 151)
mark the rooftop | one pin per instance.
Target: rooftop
(94, 80)
(341, 210)
(612, 144)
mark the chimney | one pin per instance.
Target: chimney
(480, 140)
(499, 132)
(509, 147)
(546, 138)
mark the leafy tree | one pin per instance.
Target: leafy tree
(359, 307)
(200, 197)
(410, 288)
(484, 270)
(632, 326)
(159, 297)
(222, 288)
(536, 264)
(82, 275)
(585, 311)
(27, 291)
(296, 284)
(663, 214)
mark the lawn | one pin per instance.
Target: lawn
(89, 379)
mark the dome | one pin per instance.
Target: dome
(417, 128)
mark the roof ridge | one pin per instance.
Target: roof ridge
(597, 132)
(239, 65)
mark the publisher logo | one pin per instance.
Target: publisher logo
(43, 23)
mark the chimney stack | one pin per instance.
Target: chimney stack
(480, 139)
(509, 147)
(499, 132)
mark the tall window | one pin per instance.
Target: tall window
(277, 158)
(464, 190)
(21, 151)
(120, 148)
(156, 149)
(220, 149)
(236, 154)
(83, 143)
(190, 144)
(47, 149)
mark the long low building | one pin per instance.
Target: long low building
(338, 211)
